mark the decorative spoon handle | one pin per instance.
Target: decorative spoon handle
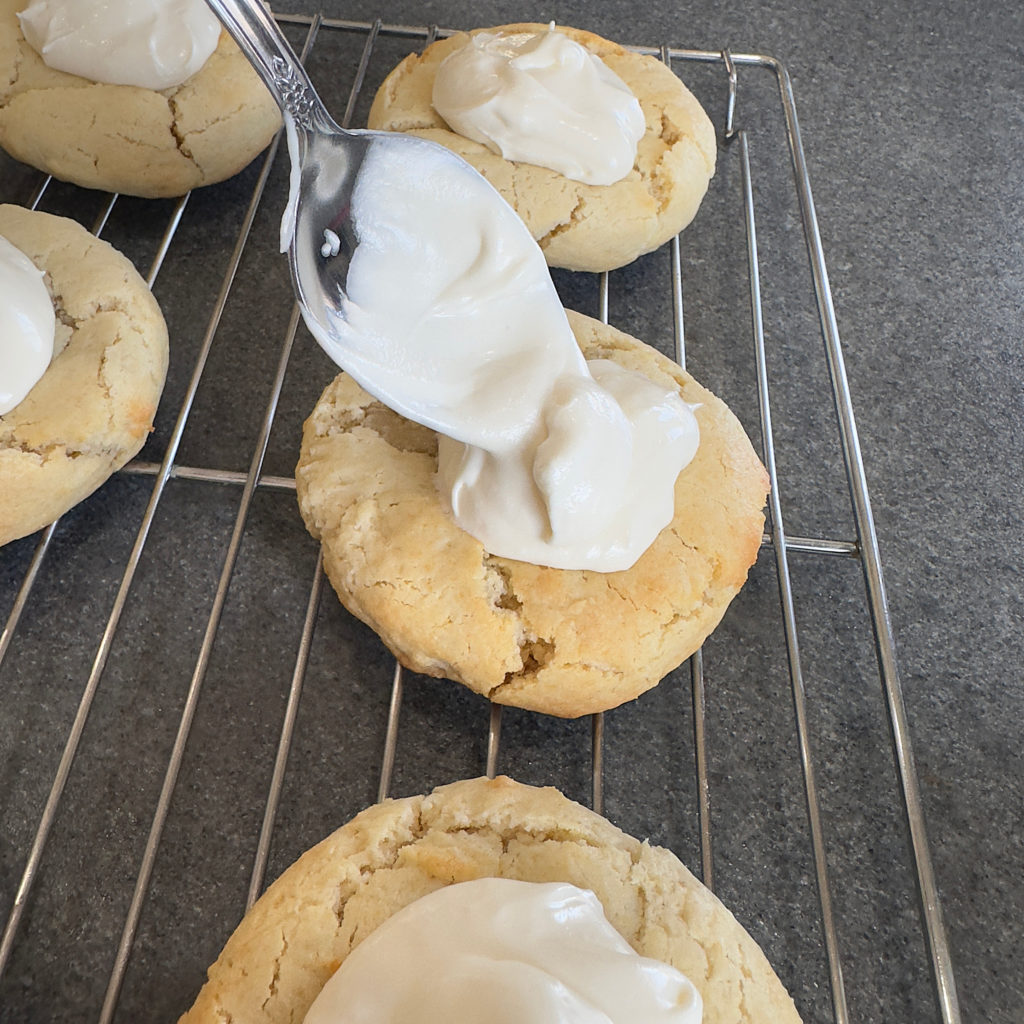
(252, 26)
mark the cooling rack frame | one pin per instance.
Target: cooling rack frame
(779, 545)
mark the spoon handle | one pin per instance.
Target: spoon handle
(252, 26)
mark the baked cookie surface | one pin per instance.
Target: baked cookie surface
(565, 642)
(122, 138)
(579, 227)
(308, 921)
(93, 408)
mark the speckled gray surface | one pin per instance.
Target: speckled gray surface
(911, 117)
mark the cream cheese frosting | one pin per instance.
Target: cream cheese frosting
(450, 317)
(27, 325)
(544, 99)
(153, 44)
(501, 951)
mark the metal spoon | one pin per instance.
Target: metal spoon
(454, 255)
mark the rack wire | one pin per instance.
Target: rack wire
(28, 866)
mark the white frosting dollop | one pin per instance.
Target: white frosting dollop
(541, 98)
(154, 44)
(593, 485)
(498, 951)
(451, 319)
(27, 326)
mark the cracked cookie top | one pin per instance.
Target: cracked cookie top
(564, 642)
(579, 227)
(325, 904)
(121, 138)
(93, 408)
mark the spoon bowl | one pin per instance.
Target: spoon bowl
(317, 229)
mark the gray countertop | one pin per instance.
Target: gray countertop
(911, 120)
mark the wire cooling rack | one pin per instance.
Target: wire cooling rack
(183, 711)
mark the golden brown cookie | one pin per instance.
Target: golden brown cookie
(93, 408)
(121, 138)
(565, 642)
(329, 900)
(579, 227)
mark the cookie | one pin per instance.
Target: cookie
(579, 227)
(93, 408)
(122, 138)
(565, 642)
(308, 921)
